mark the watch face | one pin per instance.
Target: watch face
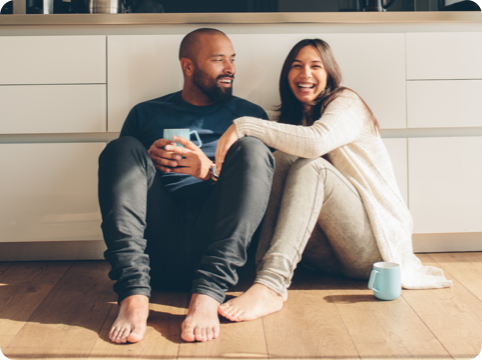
(215, 172)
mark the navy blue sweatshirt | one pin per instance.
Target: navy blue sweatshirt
(147, 121)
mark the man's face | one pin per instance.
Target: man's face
(214, 68)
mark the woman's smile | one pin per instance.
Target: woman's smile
(307, 76)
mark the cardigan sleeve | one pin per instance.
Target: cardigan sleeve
(344, 121)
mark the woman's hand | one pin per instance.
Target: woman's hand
(229, 137)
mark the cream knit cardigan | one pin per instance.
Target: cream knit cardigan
(345, 134)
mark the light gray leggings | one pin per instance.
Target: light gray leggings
(314, 212)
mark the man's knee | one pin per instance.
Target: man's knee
(121, 147)
(249, 151)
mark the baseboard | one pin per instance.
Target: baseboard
(94, 250)
(52, 250)
(448, 242)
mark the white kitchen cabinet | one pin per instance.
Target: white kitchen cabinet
(52, 60)
(49, 192)
(371, 64)
(52, 109)
(143, 67)
(397, 150)
(456, 55)
(444, 180)
(444, 103)
(374, 66)
(140, 68)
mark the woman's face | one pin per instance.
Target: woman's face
(307, 76)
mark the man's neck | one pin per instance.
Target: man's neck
(195, 97)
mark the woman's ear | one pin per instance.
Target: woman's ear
(187, 66)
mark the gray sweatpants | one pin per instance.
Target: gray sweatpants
(315, 215)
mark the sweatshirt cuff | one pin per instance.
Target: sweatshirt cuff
(249, 126)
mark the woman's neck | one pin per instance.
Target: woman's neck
(307, 111)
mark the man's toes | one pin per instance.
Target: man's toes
(198, 335)
(187, 333)
(215, 332)
(113, 334)
(209, 334)
(116, 335)
(135, 336)
(123, 336)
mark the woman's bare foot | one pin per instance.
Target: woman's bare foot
(131, 322)
(202, 321)
(256, 302)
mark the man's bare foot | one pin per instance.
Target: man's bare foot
(256, 302)
(131, 322)
(202, 321)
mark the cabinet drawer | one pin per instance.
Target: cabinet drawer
(444, 103)
(397, 150)
(52, 59)
(52, 108)
(49, 192)
(444, 55)
(444, 184)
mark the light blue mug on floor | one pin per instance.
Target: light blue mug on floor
(185, 133)
(385, 280)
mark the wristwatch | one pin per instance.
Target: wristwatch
(213, 172)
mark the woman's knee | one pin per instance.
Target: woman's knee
(284, 160)
(317, 165)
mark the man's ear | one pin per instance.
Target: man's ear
(187, 66)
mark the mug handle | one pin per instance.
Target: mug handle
(197, 137)
(371, 282)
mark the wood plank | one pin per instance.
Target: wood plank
(4, 265)
(379, 329)
(465, 267)
(5, 340)
(68, 321)
(236, 341)
(453, 315)
(24, 286)
(309, 325)
(162, 337)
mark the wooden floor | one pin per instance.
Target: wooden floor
(64, 310)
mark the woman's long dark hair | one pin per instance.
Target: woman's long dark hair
(291, 109)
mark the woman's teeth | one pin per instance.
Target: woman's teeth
(306, 86)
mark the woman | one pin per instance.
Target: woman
(334, 200)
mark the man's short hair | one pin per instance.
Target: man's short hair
(191, 41)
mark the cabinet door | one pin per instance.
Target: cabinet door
(444, 55)
(371, 64)
(52, 109)
(397, 150)
(140, 68)
(444, 103)
(52, 59)
(49, 192)
(444, 184)
(146, 66)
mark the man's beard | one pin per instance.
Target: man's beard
(210, 87)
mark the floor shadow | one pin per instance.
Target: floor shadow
(167, 324)
(350, 299)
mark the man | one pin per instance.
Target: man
(182, 226)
